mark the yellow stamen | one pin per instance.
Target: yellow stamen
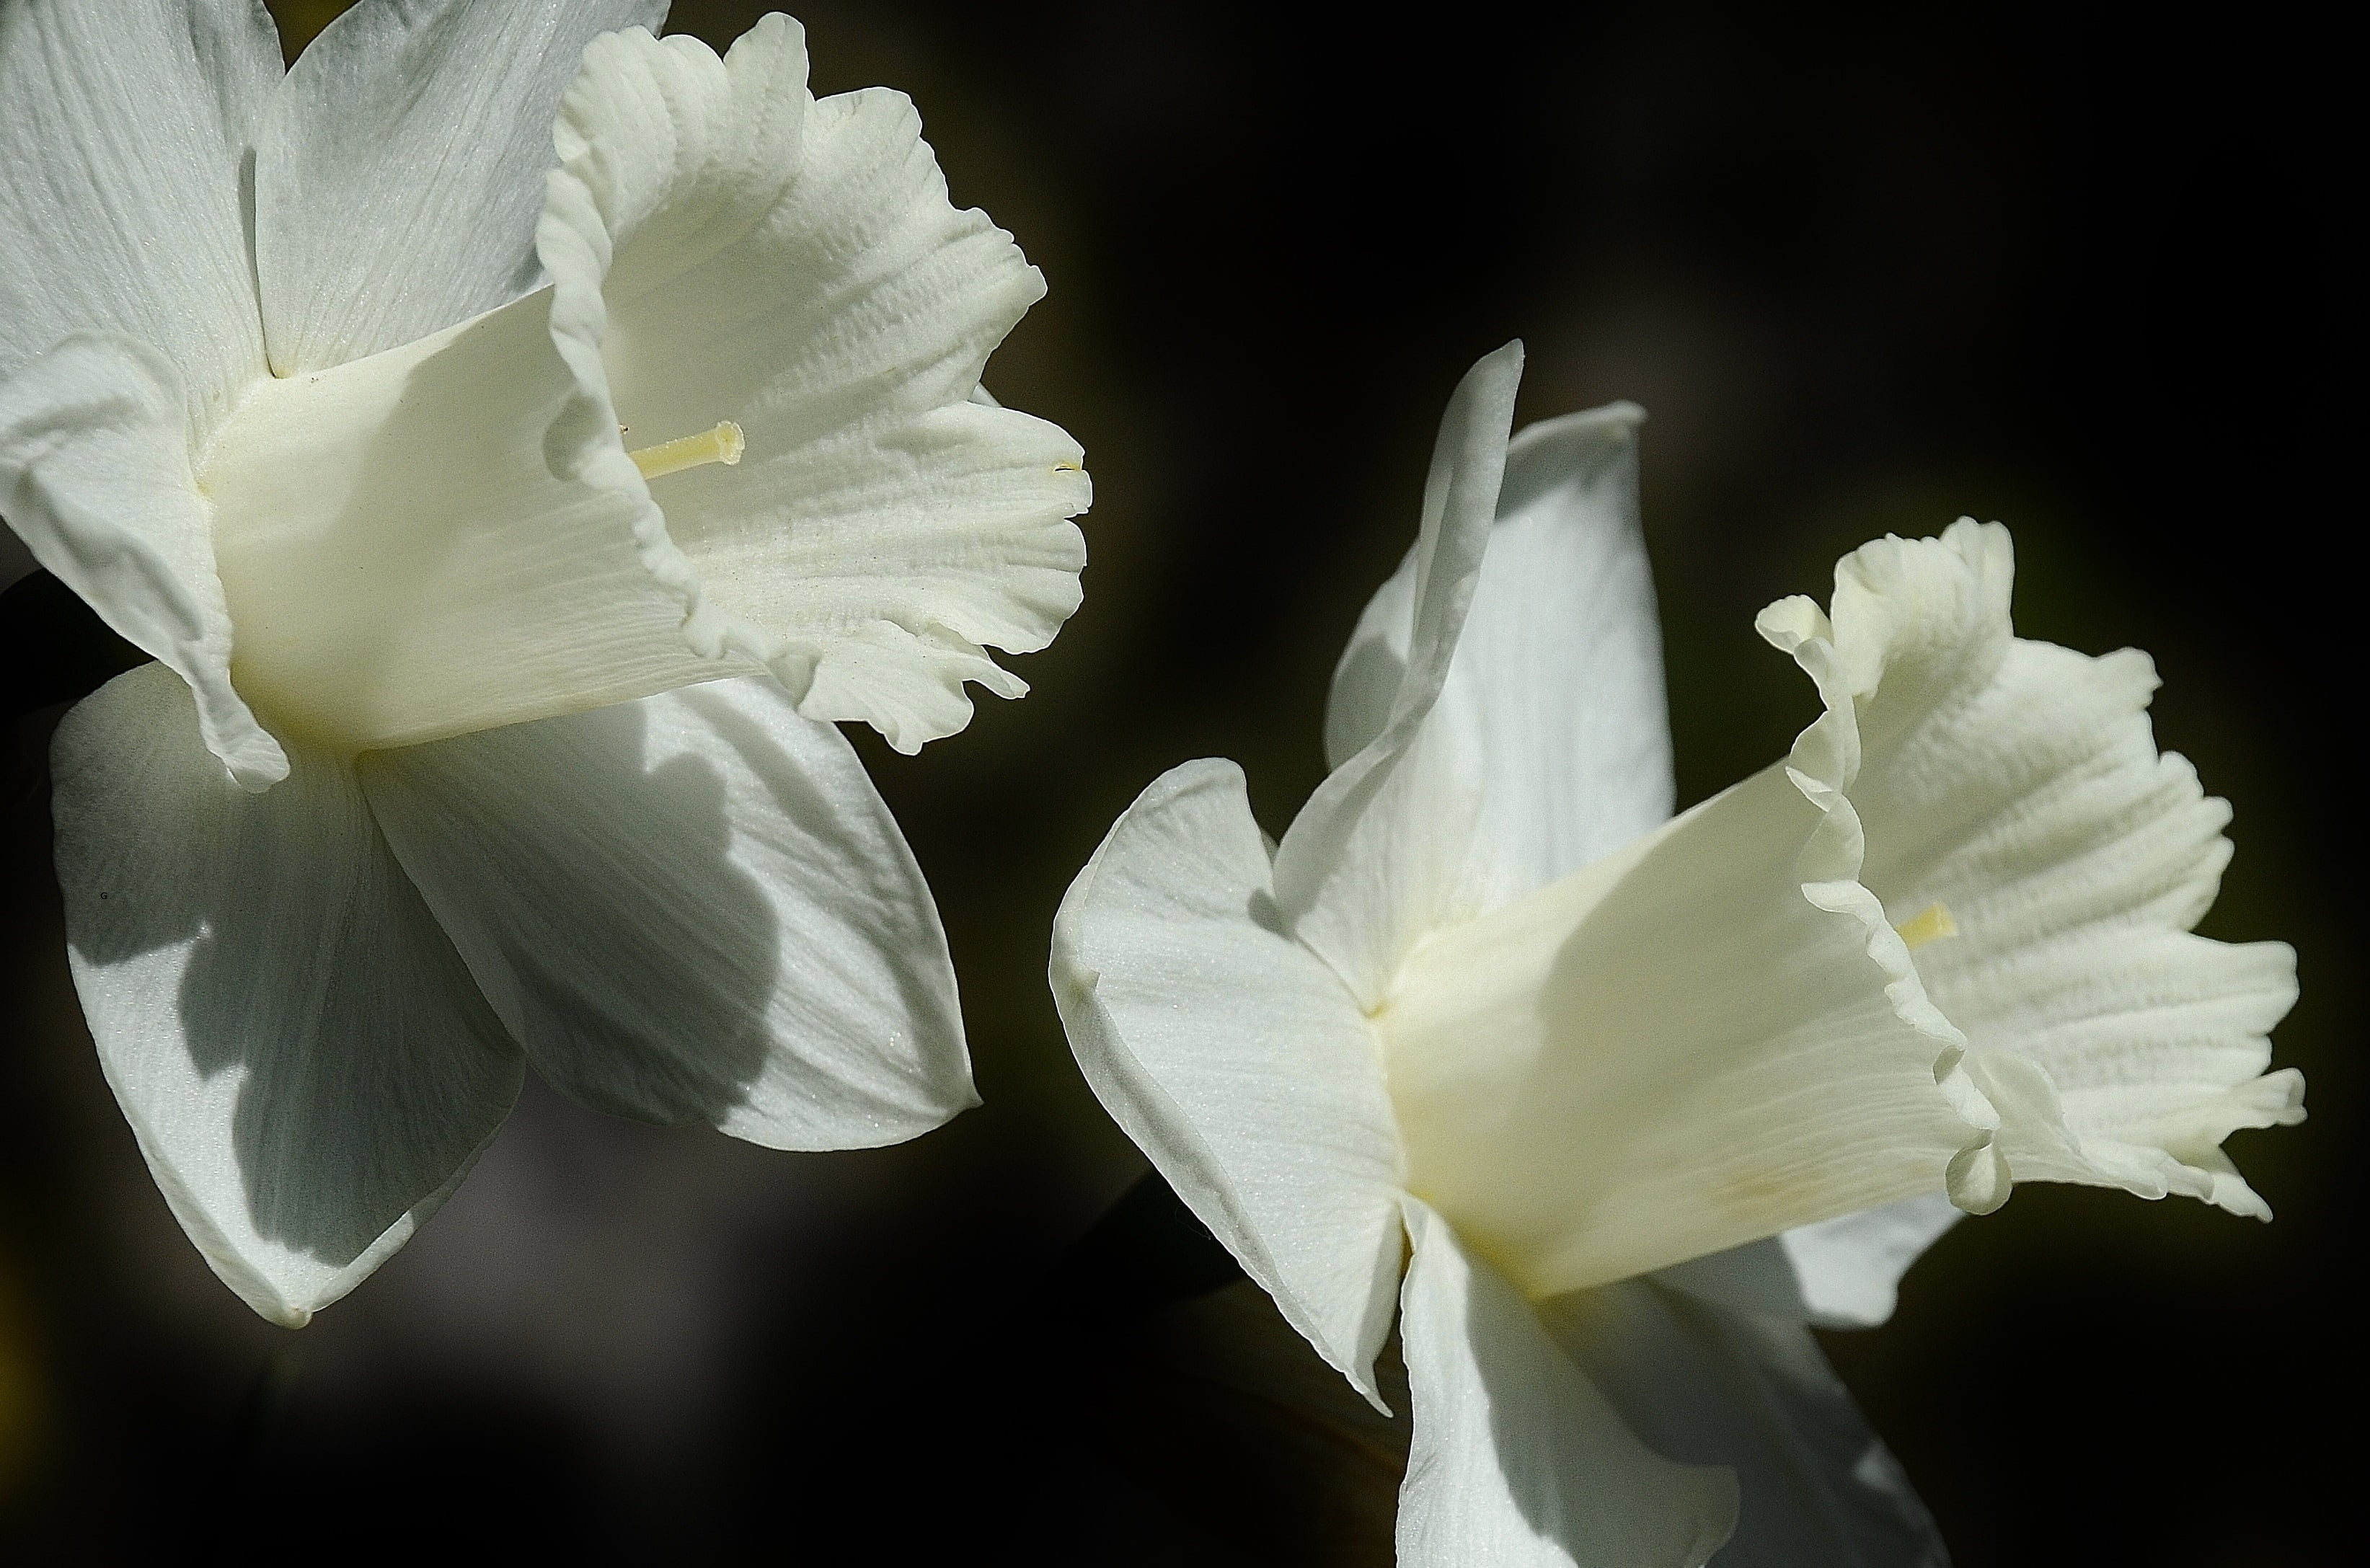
(1931, 923)
(723, 444)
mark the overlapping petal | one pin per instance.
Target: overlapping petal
(2018, 784)
(693, 907)
(1710, 1386)
(124, 129)
(303, 1056)
(1840, 1273)
(726, 247)
(1558, 674)
(1235, 1059)
(1376, 857)
(95, 478)
(399, 172)
(1519, 1459)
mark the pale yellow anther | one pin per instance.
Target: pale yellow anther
(1931, 923)
(723, 444)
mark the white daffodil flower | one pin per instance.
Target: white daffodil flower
(508, 525)
(1647, 1094)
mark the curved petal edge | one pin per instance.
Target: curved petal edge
(1519, 1458)
(305, 1062)
(1234, 1060)
(691, 908)
(95, 478)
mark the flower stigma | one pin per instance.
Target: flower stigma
(1931, 923)
(723, 444)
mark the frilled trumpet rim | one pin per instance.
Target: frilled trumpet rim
(2017, 784)
(1824, 764)
(685, 181)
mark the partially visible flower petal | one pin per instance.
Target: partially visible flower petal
(1233, 1057)
(1839, 1272)
(1557, 676)
(95, 478)
(1710, 1387)
(1362, 873)
(1519, 1461)
(725, 247)
(400, 171)
(1850, 1268)
(2017, 785)
(303, 1058)
(692, 908)
(123, 129)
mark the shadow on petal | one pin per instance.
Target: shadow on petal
(303, 1056)
(584, 869)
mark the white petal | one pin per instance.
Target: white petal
(95, 478)
(726, 247)
(691, 908)
(1233, 1057)
(1557, 683)
(1717, 1388)
(1376, 858)
(1692, 1044)
(1839, 1272)
(300, 1051)
(119, 205)
(1367, 677)
(1519, 1462)
(400, 171)
(2017, 784)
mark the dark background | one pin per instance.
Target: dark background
(2066, 269)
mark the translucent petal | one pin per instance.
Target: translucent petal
(303, 1056)
(1376, 857)
(1518, 1460)
(725, 247)
(1712, 1387)
(2018, 784)
(691, 908)
(399, 172)
(1558, 675)
(121, 208)
(1233, 1057)
(95, 478)
(1839, 1272)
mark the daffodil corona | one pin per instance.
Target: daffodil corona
(1640, 1096)
(517, 437)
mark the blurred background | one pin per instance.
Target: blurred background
(2058, 268)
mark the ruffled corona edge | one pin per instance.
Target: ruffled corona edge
(2017, 786)
(730, 244)
(1848, 661)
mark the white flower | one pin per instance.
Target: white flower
(509, 529)
(1644, 1094)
